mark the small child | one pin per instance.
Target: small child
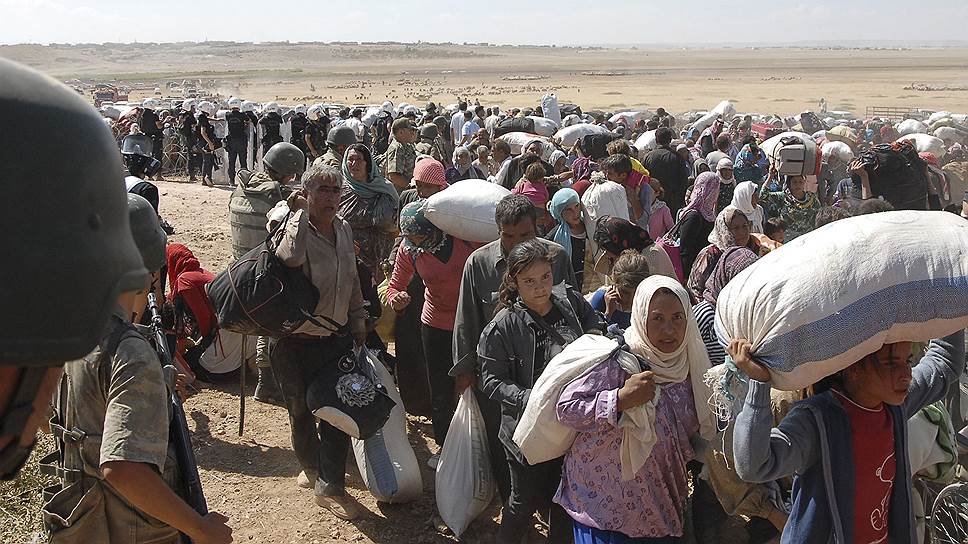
(533, 185)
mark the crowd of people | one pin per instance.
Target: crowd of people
(608, 240)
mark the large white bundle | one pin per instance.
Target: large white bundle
(724, 109)
(386, 460)
(371, 115)
(827, 299)
(465, 210)
(948, 133)
(925, 143)
(572, 119)
(601, 199)
(646, 142)
(549, 107)
(225, 353)
(569, 135)
(938, 115)
(517, 141)
(911, 126)
(544, 126)
(464, 481)
(838, 150)
(630, 117)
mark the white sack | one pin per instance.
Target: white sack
(838, 150)
(569, 135)
(925, 143)
(630, 117)
(465, 210)
(464, 481)
(550, 109)
(948, 133)
(544, 126)
(572, 119)
(517, 141)
(911, 126)
(938, 115)
(646, 142)
(724, 109)
(824, 301)
(386, 460)
(225, 353)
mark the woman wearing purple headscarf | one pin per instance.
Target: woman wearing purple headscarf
(697, 219)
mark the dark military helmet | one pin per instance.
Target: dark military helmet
(342, 135)
(146, 231)
(429, 132)
(285, 159)
(68, 246)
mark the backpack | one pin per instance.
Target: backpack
(796, 156)
(298, 125)
(383, 126)
(896, 174)
(593, 145)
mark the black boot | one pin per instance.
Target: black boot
(266, 389)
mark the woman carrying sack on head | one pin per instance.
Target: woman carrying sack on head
(535, 323)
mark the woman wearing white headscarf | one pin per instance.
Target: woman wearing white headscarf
(463, 167)
(601, 475)
(747, 200)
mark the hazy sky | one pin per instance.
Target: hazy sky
(562, 22)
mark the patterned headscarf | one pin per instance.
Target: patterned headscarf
(746, 158)
(704, 194)
(561, 200)
(733, 261)
(413, 222)
(720, 236)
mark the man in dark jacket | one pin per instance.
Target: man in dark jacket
(664, 165)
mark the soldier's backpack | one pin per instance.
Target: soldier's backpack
(383, 128)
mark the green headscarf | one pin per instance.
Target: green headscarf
(413, 222)
(375, 183)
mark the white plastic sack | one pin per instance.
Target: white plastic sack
(517, 141)
(572, 119)
(925, 143)
(544, 126)
(938, 115)
(225, 353)
(386, 460)
(838, 150)
(827, 299)
(371, 115)
(569, 135)
(911, 126)
(465, 210)
(948, 133)
(464, 481)
(539, 435)
(724, 109)
(630, 117)
(550, 109)
(646, 142)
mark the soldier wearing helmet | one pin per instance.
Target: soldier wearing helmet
(270, 122)
(189, 138)
(254, 196)
(297, 126)
(316, 132)
(205, 140)
(45, 320)
(338, 139)
(237, 137)
(152, 127)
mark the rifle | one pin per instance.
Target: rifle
(187, 467)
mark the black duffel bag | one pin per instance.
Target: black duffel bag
(514, 124)
(258, 295)
(897, 174)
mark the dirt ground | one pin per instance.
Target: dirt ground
(782, 80)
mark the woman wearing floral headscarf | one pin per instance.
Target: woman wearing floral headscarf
(732, 228)
(696, 221)
(439, 259)
(369, 204)
(794, 204)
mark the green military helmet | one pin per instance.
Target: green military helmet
(342, 135)
(285, 159)
(146, 231)
(68, 247)
(429, 132)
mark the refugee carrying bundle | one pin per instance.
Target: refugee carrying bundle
(837, 150)
(464, 483)
(896, 174)
(386, 460)
(925, 143)
(793, 154)
(569, 135)
(258, 295)
(646, 142)
(550, 109)
(824, 301)
(465, 210)
(514, 124)
(517, 141)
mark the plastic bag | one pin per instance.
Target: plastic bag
(386, 460)
(465, 484)
(465, 210)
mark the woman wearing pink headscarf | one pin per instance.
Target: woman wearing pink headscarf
(697, 219)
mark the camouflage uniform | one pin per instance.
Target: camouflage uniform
(329, 159)
(110, 407)
(430, 148)
(400, 158)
